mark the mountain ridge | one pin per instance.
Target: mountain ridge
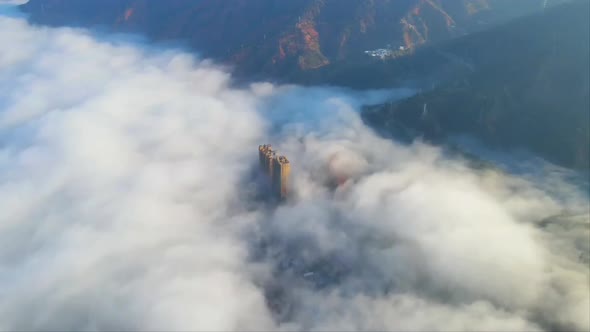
(287, 40)
(534, 94)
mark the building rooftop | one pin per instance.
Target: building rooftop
(282, 160)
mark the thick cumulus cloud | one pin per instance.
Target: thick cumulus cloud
(129, 201)
(438, 245)
(117, 169)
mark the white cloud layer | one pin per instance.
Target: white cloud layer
(13, 2)
(128, 203)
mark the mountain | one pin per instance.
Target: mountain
(523, 84)
(289, 40)
(513, 73)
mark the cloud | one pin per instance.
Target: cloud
(114, 207)
(129, 202)
(13, 2)
(413, 221)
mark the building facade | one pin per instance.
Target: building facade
(276, 168)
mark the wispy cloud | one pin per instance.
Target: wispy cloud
(13, 2)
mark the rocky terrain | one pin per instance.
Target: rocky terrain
(289, 40)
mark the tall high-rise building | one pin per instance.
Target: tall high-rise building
(277, 168)
(265, 155)
(262, 153)
(270, 160)
(282, 170)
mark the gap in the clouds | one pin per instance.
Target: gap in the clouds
(518, 162)
(299, 109)
(523, 164)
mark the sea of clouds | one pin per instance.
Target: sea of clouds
(129, 200)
